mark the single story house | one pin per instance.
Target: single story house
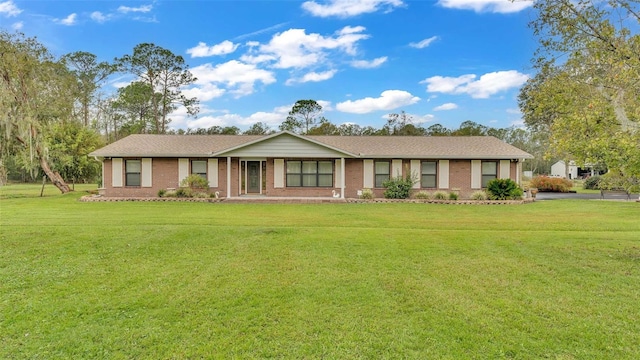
(285, 164)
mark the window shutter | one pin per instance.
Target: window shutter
(147, 174)
(367, 181)
(338, 180)
(212, 172)
(416, 172)
(476, 174)
(278, 173)
(505, 169)
(443, 174)
(183, 169)
(116, 172)
(396, 168)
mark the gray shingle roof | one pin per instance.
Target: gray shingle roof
(445, 147)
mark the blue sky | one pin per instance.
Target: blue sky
(441, 61)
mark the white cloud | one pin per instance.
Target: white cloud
(326, 105)
(205, 92)
(364, 64)
(9, 9)
(99, 17)
(68, 21)
(313, 77)
(487, 85)
(349, 8)
(495, 6)
(272, 119)
(388, 100)
(424, 43)
(142, 9)
(202, 50)
(444, 107)
(17, 26)
(294, 48)
(238, 77)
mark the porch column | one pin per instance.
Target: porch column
(228, 176)
(342, 167)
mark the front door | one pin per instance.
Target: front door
(253, 177)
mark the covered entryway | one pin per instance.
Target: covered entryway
(252, 176)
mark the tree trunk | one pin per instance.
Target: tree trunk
(54, 176)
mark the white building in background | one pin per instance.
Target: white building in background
(559, 169)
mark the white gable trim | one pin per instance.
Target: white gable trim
(253, 148)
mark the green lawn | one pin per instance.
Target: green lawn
(137, 280)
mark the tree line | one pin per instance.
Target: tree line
(582, 103)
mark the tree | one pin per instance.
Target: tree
(134, 108)
(34, 95)
(69, 144)
(586, 90)
(401, 125)
(470, 128)
(258, 128)
(437, 130)
(349, 129)
(166, 74)
(89, 75)
(303, 115)
(325, 127)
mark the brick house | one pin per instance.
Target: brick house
(290, 165)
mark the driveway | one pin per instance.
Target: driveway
(555, 196)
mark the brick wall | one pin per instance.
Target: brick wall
(165, 175)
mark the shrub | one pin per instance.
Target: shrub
(398, 187)
(184, 192)
(453, 195)
(161, 192)
(367, 194)
(592, 183)
(440, 195)
(479, 195)
(195, 181)
(615, 180)
(503, 189)
(545, 183)
(422, 195)
(200, 195)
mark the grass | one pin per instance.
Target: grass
(555, 279)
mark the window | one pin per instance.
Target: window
(310, 173)
(428, 173)
(132, 171)
(199, 167)
(489, 172)
(382, 171)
